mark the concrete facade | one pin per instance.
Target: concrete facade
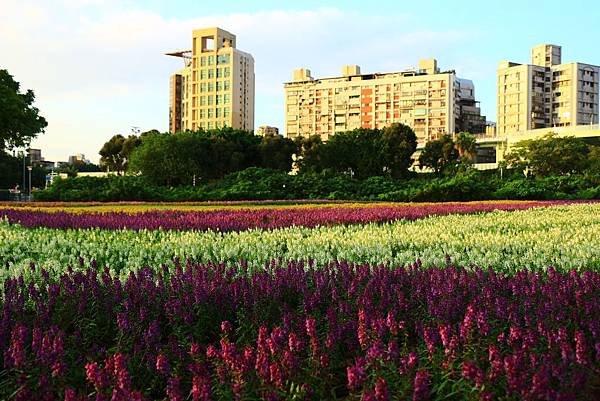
(431, 102)
(215, 89)
(267, 130)
(546, 93)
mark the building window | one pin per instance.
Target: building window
(218, 112)
(202, 87)
(210, 125)
(202, 61)
(223, 59)
(202, 113)
(226, 72)
(226, 99)
(210, 113)
(219, 86)
(211, 87)
(210, 100)
(219, 99)
(225, 112)
(202, 100)
(226, 85)
(211, 73)
(202, 74)
(211, 60)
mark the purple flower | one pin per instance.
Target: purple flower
(421, 386)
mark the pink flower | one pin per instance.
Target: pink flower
(226, 327)
(381, 390)
(162, 364)
(472, 372)
(200, 389)
(356, 374)
(580, 348)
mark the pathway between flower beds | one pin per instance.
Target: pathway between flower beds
(244, 219)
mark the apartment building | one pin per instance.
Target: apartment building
(264, 130)
(430, 101)
(546, 93)
(215, 88)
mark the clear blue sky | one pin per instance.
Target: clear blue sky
(97, 66)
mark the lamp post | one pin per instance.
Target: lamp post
(23, 154)
(29, 168)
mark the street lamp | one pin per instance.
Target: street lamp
(29, 168)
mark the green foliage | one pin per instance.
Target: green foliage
(275, 152)
(550, 155)
(439, 155)
(361, 153)
(174, 159)
(12, 170)
(466, 144)
(399, 144)
(259, 184)
(20, 122)
(115, 153)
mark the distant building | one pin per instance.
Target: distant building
(490, 129)
(34, 156)
(546, 93)
(79, 158)
(215, 89)
(430, 101)
(267, 130)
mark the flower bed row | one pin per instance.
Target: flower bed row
(559, 236)
(244, 219)
(295, 331)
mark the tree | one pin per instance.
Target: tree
(116, 152)
(399, 144)
(594, 160)
(275, 152)
(466, 144)
(175, 159)
(549, 155)
(439, 154)
(309, 158)
(20, 122)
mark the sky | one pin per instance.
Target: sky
(98, 68)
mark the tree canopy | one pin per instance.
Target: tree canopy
(175, 159)
(439, 154)
(115, 153)
(20, 121)
(362, 152)
(549, 155)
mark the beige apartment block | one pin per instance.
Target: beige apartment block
(546, 93)
(264, 130)
(215, 88)
(432, 102)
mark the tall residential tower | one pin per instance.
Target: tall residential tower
(546, 93)
(215, 89)
(430, 101)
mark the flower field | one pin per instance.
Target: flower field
(238, 217)
(475, 301)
